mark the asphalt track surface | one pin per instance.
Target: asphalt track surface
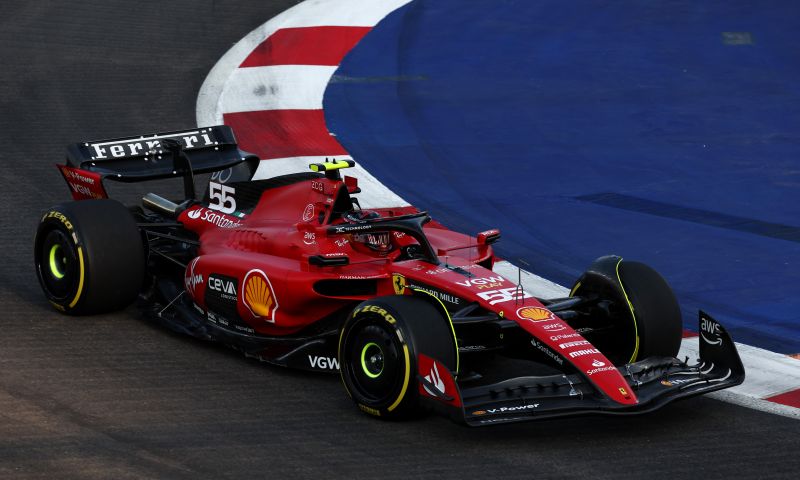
(115, 397)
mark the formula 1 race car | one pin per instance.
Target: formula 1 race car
(292, 271)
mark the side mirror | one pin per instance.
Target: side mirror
(489, 236)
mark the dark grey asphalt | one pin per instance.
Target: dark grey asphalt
(115, 397)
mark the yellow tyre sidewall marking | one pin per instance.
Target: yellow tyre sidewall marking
(633, 315)
(80, 279)
(574, 289)
(405, 380)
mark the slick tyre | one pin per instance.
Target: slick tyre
(89, 257)
(643, 314)
(378, 348)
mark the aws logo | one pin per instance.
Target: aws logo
(259, 297)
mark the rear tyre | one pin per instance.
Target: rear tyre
(89, 256)
(639, 310)
(378, 349)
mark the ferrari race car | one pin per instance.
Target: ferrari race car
(292, 271)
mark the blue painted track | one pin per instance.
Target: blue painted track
(665, 132)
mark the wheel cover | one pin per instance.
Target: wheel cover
(374, 362)
(58, 265)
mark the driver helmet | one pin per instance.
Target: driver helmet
(378, 242)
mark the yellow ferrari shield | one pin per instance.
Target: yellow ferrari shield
(399, 283)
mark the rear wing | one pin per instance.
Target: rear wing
(156, 156)
(145, 157)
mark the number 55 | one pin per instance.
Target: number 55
(221, 198)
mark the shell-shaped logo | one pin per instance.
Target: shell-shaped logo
(535, 314)
(259, 297)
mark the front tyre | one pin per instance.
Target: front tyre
(640, 316)
(378, 349)
(89, 256)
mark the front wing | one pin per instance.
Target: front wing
(655, 381)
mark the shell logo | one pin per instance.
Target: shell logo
(535, 314)
(259, 297)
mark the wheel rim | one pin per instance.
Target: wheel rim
(57, 265)
(374, 362)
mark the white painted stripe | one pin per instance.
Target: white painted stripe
(732, 396)
(278, 87)
(355, 13)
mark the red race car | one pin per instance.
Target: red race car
(292, 271)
